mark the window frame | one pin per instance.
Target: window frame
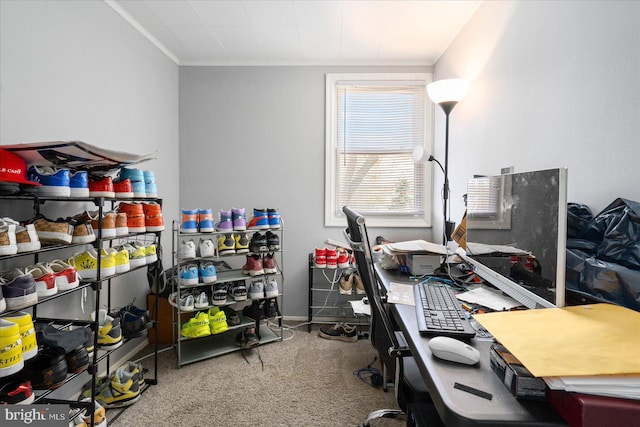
(330, 217)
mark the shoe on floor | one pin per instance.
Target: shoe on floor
(339, 331)
(84, 419)
(119, 390)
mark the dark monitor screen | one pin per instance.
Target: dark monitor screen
(516, 234)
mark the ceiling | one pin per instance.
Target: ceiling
(298, 32)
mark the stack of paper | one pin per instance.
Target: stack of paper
(622, 386)
(414, 247)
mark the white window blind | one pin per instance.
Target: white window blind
(484, 197)
(377, 125)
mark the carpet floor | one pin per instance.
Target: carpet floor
(304, 380)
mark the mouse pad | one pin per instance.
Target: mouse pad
(593, 339)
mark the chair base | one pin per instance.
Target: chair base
(381, 413)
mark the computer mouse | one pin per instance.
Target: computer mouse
(454, 350)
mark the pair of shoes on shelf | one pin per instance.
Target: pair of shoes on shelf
(264, 219)
(18, 290)
(264, 242)
(197, 221)
(142, 216)
(346, 284)
(194, 274)
(259, 289)
(233, 243)
(231, 220)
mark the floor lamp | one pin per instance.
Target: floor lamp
(447, 93)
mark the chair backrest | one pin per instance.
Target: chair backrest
(356, 236)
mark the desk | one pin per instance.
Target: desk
(457, 407)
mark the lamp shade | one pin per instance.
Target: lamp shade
(420, 155)
(449, 90)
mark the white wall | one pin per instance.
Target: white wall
(75, 70)
(254, 137)
(555, 84)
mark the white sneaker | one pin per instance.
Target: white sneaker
(187, 249)
(66, 275)
(202, 301)
(8, 245)
(26, 237)
(207, 248)
(186, 301)
(256, 290)
(271, 289)
(45, 279)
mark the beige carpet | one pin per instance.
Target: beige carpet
(306, 381)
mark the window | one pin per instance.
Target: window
(373, 123)
(489, 202)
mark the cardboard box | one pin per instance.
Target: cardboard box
(420, 265)
(165, 324)
(515, 376)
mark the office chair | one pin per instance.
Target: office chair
(410, 389)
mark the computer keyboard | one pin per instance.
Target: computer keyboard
(440, 313)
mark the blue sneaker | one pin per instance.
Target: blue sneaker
(207, 272)
(55, 182)
(150, 184)
(189, 221)
(79, 184)
(205, 220)
(136, 176)
(260, 220)
(189, 275)
(274, 218)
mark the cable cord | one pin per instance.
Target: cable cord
(370, 376)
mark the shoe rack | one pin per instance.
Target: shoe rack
(326, 304)
(101, 359)
(229, 268)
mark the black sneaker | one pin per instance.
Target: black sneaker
(48, 370)
(77, 359)
(255, 311)
(270, 308)
(273, 241)
(233, 319)
(258, 243)
(339, 331)
(247, 338)
(238, 291)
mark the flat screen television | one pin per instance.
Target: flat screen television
(516, 234)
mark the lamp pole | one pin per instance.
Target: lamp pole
(446, 106)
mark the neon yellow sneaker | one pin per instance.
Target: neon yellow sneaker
(197, 326)
(27, 333)
(137, 255)
(86, 265)
(217, 321)
(151, 254)
(121, 257)
(11, 360)
(107, 262)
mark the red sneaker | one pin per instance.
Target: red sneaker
(269, 264)
(343, 258)
(332, 258)
(320, 258)
(101, 188)
(135, 216)
(153, 216)
(255, 266)
(123, 188)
